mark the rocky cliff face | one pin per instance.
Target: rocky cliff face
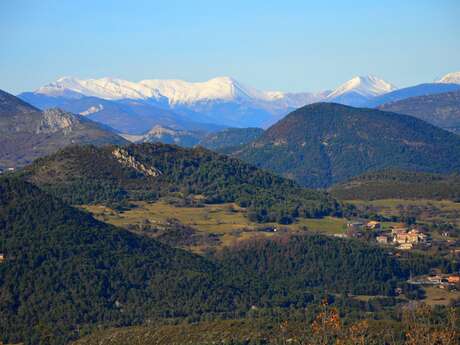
(55, 120)
(131, 162)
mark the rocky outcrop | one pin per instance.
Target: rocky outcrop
(129, 161)
(55, 120)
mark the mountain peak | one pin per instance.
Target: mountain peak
(450, 78)
(367, 86)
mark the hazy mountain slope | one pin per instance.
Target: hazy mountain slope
(394, 184)
(27, 133)
(126, 116)
(168, 135)
(64, 271)
(442, 110)
(324, 143)
(412, 91)
(230, 138)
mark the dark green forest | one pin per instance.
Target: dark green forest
(322, 144)
(395, 184)
(65, 273)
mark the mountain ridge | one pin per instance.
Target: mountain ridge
(442, 109)
(325, 143)
(27, 133)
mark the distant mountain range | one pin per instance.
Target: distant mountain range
(325, 143)
(190, 114)
(136, 107)
(27, 133)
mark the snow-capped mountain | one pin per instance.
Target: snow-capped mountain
(135, 107)
(175, 91)
(368, 86)
(180, 92)
(359, 90)
(221, 100)
(450, 78)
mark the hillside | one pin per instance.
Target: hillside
(150, 171)
(27, 133)
(230, 138)
(442, 110)
(322, 144)
(325, 262)
(393, 184)
(65, 271)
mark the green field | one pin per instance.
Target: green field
(226, 220)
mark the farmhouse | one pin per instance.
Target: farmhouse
(414, 236)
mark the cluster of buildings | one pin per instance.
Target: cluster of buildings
(444, 281)
(402, 237)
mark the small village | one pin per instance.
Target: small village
(401, 236)
(406, 238)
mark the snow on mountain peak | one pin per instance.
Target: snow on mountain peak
(450, 78)
(367, 86)
(225, 89)
(176, 91)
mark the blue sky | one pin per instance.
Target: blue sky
(273, 45)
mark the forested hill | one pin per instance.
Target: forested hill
(325, 143)
(64, 271)
(82, 175)
(394, 184)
